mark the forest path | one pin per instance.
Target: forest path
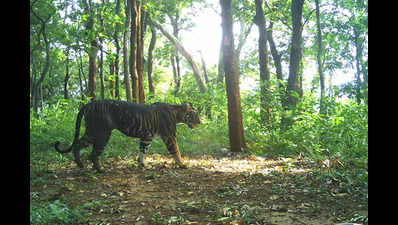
(213, 190)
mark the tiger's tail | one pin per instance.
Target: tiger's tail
(77, 133)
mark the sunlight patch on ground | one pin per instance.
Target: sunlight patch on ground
(251, 164)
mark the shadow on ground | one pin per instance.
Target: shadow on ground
(213, 190)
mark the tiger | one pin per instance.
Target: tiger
(144, 121)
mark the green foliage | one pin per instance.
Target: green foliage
(54, 213)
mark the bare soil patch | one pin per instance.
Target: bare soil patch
(213, 190)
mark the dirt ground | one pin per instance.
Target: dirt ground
(213, 190)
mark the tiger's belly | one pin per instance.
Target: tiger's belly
(139, 133)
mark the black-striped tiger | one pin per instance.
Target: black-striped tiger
(134, 120)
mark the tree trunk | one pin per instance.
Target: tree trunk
(101, 62)
(275, 55)
(176, 58)
(295, 55)
(259, 20)
(150, 59)
(319, 60)
(204, 67)
(92, 54)
(132, 59)
(67, 76)
(184, 52)
(101, 71)
(125, 51)
(81, 73)
(236, 135)
(358, 61)
(140, 54)
(221, 75)
(116, 39)
(111, 82)
(177, 78)
(37, 84)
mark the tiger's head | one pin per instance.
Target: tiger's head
(192, 118)
(188, 115)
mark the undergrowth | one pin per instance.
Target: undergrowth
(336, 141)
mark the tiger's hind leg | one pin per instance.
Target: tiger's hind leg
(144, 147)
(83, 143)
(100, 142)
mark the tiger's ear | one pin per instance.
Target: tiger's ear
(187, 106)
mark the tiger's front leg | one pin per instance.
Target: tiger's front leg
(172, 146)
(144, 147)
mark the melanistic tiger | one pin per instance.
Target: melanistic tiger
(134, 120)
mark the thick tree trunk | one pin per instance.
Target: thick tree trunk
(140, 55)
(92, 71)
(236, 135)
(184, 52)
(259, 20)
(295, 55)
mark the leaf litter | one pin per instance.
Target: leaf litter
(243, 189)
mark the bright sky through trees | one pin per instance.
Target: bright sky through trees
(205, 36)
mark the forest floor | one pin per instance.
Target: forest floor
(229, 190)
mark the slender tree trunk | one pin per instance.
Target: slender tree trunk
(140, 55)
(111, 82)
(358, 61)
(150, 59)
(132, 59)
(82, 76)
(319, 60)
(101, 61)
(67, 75)
(92, 54)
(184, 52)
(275, 55)
(101, 71)
(125, 51)
(259, 20)
(174, 22)
(81, 81)
(177, 79)
(204, 67)
(116, 64)
(220, 76)
(236, 135)
(117, 77)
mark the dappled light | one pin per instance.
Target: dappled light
(212, 190)
(198, 112)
